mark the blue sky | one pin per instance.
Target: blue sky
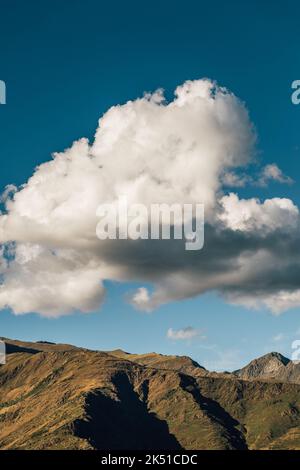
(65, 63)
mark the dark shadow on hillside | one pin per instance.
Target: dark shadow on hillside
(215, 411)
(13, 348)
(124, 424)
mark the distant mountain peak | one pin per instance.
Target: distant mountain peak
(269, 366)
(276, 355)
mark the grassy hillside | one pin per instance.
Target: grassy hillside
(62, 397)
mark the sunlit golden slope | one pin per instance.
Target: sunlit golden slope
(63, 397)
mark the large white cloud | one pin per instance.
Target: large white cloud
(151, 152)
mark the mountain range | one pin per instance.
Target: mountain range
(58, 396)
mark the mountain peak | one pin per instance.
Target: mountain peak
(269, 366)
(284, 360)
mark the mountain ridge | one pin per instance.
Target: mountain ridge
(64, 397)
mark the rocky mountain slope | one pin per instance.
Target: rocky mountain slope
(272, 366)
(63, 397)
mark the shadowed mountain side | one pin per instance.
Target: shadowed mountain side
(13, 348)
(216, 412)
(125, 423)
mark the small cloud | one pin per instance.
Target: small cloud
(268, 173)
(234, 180)
(184, 333)
(272, 172)
(141, 299)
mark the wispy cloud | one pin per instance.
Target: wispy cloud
(268, 174)
(186, 333)
(272, 172)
